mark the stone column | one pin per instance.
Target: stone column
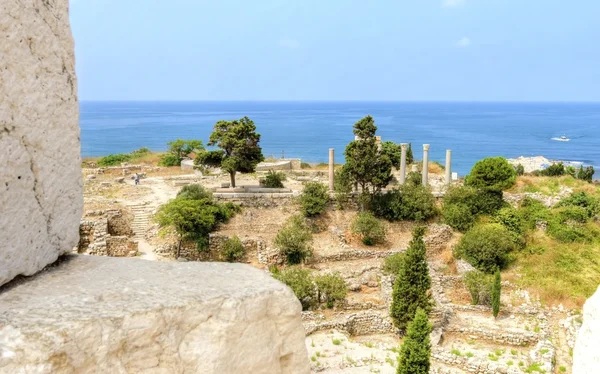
(425, 172)
(403, 163)
(448, 166)
(331, 169)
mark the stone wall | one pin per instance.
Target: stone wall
(365, 322)
(121, 246)
(107, 233)
(41, 196)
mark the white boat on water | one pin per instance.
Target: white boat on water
(562, 139)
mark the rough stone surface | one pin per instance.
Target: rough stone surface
(41, 196)
(106, 315)
(586, 356)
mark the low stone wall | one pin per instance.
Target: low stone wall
(256, 200)
(121, 246)
(361, 323)
(355, 254)
(502, 336)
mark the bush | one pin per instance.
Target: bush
(342, 186)
(371, 230)
(305, 165)
(480, 287)
(411, 287)
(492, 174)
(301, 282)
(519, 169)
(458, 216)
(510, 218)
(114, 160)
(590, 203)
(486, 247)
(140, 152)
(414, 178)
(169, 159)
(586, 174)
(314, 199)
(393, 263)
(294, 240)
(533, 211)
(407, 202)
(554, 170)
(274, 179)
(478, 201)
(568, 224)
(233, 249)
(331, 288)
(194, 192)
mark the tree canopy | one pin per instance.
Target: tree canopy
(367, 165)
(178, 149)
(239, 148)
(492, 174)
(416, 346)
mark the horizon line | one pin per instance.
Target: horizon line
(348, 101)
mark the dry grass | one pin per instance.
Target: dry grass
(551, 185)
(564, 273)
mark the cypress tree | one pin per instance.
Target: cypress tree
(412, 283)
(416, 347)
(496, 288)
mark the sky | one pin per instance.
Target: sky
(406, 50)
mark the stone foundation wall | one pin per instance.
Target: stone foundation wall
(121, 246)
(361, 323)
(107, 233)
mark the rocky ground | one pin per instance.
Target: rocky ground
(358, 337)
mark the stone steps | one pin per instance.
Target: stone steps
(142, 215)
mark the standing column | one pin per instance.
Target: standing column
(448, 166)
(425, 164)
(331, 171)
(403, 163)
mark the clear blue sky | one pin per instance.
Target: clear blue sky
(488, 50)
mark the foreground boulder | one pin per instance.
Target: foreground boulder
(586, 356)
(115, 315)
(41, 197)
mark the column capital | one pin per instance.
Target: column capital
(403, 145)
(425, 147)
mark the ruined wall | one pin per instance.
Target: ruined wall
(40, 179)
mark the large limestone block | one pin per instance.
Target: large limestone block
(586, 356)
(40, 178)
(116, 315)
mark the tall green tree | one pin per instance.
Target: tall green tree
(412, 284)
(239, 149)
(393, 151)
(492, 174)
(416, 346)
(367, 166)
(178, 149)
(409, 154)
(496, 290)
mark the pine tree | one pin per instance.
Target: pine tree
(416, 347)
(496, 288)
(412, 283)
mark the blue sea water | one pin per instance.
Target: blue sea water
(308, 129)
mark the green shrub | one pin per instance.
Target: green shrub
(510, 218)
(407, 202)
(114, 160)
(458, 216)
(569, 224)
(479, 285)
(294, 240)
(140, 152)
(519, 169)
(478, 201)
(194, 192)
(342, 186)
(554, 170)
(486, 247)
(301, 282)
(331, 288)
(581, 199)
(570, 170)
(492, 174)
(586, 174)
(533, 211)
(314, 199)
(233, 249)
(371, 230)
(496, 289)
(274, 179)
(414, 178)
(305, 165)
(169, 159)
(414, 357)
(392, 264)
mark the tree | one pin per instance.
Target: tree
(314, 199)
(301, 282)
(366, 165)
(331, 287)
(239, 149)
(409, 155)
(178, 149)
(412, 284)
(487, 246)
(371, 230)
(492, 174)
(393, 151)
(496, 289)
(294, 240)
(416, 346)
(585, 174)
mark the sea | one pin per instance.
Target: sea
(306, 130)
